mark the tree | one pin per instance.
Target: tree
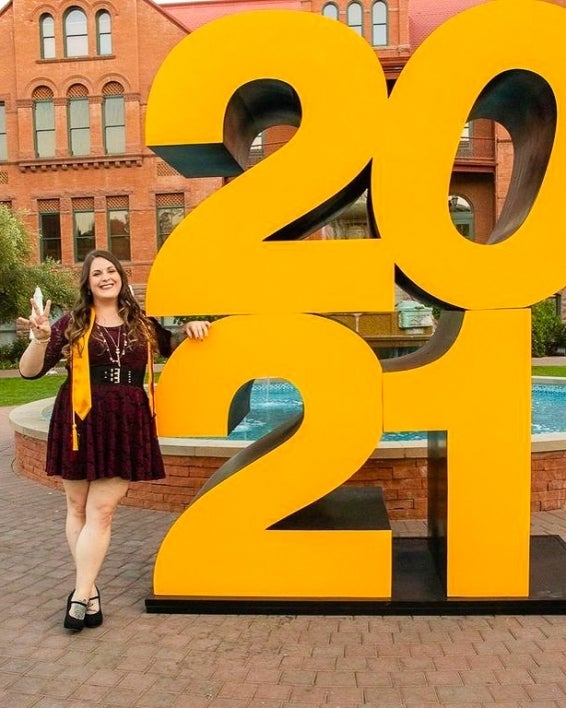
(19, 277)
(548, 331)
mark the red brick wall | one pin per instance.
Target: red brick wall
(142, 36)
(404, 481)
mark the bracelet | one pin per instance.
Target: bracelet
(40, 341)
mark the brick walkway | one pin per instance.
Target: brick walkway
(185, 661)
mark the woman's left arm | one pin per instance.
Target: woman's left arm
(168, 341)
(196, 329)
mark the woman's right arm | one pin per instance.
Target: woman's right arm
(32, 360)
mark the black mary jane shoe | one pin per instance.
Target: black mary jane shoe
(94, 619)
(71, 622)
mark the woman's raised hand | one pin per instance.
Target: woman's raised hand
(38, 321)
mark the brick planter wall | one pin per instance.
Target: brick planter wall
(548, 480)
(404, 481)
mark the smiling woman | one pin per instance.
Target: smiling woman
(102, 433)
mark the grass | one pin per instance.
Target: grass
(549, 370)
(17, 391)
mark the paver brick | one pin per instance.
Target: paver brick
(478, 677)
(464, 694)
(273, 692)
(298, 677)
(309, 694)
(335, 678)
(343, 696)
(546, 691)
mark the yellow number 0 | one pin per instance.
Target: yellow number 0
(236, 254)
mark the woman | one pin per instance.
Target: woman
(102, 434)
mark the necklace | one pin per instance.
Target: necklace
(119, 351)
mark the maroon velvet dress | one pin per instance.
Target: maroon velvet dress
(118, 436)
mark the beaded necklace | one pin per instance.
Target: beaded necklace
(119, 351)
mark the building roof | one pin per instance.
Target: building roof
(194, 14)
(426, 15)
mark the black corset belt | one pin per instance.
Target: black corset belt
(116, 375)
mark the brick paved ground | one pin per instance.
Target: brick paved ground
(185, 661)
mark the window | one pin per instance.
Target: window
(44, 122)
(114, 119)
(83, 226)
(3, 141)
(78, 120)
(256, 149)
(330, 10)
(351, 222)
(379, 24)
(49, 229)
(465, 144)
(103, 33)
(47, 36)
(76, 33)
(462, 215)
(354, 17)
(118, 219)
(170, 211)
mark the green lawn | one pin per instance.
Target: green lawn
(549, 370)
(16, 391)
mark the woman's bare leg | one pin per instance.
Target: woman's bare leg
(91, 543)
(76, 492)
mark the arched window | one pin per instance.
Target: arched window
(103, 33)
(78, 120)
(330, 10)
(354, 17)
(76, 33)
(114, 119)
(44, 121)
(462, 215)
(47, 36)
(379, 24)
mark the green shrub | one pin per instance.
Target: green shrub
(548, 331)
(10, 353)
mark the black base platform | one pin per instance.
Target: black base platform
(417, 590)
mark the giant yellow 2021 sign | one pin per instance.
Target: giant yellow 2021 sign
(238, 254)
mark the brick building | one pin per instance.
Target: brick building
(73, 93)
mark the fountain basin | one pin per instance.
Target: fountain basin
(399, 467)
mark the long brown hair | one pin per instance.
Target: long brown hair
(138, 326)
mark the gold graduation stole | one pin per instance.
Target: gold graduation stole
(151, 382)
(81, 401)
(80, 378)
